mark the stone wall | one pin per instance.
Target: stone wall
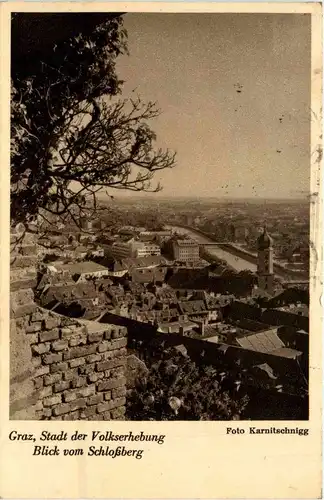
(60, 368)
(79, 368)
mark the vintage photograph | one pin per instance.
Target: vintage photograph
(160, 216)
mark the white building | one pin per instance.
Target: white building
(185, 250)
(145, 248)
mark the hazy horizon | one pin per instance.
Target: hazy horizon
(234, 90)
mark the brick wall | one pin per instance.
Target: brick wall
(79, 368)
(61, 368)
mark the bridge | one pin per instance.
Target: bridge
(295, 282)
(214, 244)
(238, 258)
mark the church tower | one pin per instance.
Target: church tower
(265, 262)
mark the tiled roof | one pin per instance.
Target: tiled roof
(81, 267)
(77, 291)
(142, 262)
(148, 275)
(266, 342)
(186, 243)
(216, 302)
(174, 326)
(286, 352)
(192, 306)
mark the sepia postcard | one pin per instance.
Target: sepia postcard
(161, 250)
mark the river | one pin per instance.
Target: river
(238, 263)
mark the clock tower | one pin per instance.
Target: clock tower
(265, 262)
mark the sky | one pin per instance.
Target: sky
(248, 144)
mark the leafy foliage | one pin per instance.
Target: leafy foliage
(177, 388)
(70, 135)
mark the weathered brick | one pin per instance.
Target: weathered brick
(109, 405)
(110, 354)
(96, 417)
(105, 365)
(47, 412)
(95, 399)
(75, 415)
(38, 383)
(118, 393)
(118, 402)
(104, 346)
(52, 322)
(106, 415)
(107, 334)
(118, 333)
(61, 386)
(94, 377)
(118, 343)
(78, 404)
(61, 409)
(34, 327)
(78, 382)
(116, 353)
(118, 412)
(103, 407)
(42, 370)
(117, 372)
(50, 335)
(74, 394)
(87, 412)
(107, 395)
(66, 331)
(37, 316)
(41, 348)
(33, 338)
(52, 379)
(52, 400)
(93, 358)
(70, 374)
(87, 369)
(59, 345)
(76, 362)
(59, 367)
(66, 321)
(73, 330)
(105, 385)
(78, 340)
(78, 352)
(112, 363)
(46, 392)
(95, 337)
(48, 359)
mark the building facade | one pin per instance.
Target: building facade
(265, 262)
(185, 250)
(145, 248)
